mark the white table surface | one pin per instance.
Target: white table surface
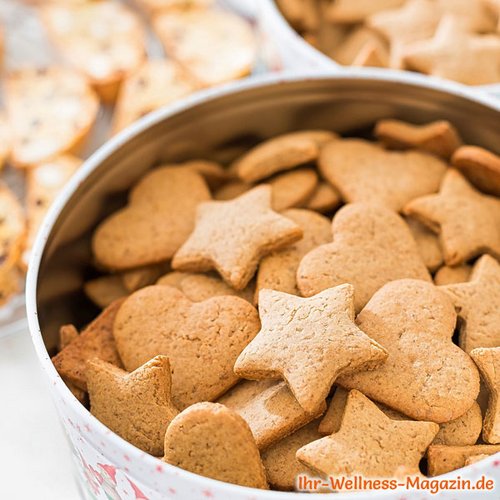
(35, 462)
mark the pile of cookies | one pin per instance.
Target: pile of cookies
(321, 306)
(454, 39)
(103, 68)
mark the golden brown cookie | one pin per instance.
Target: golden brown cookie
(442, 459)
(231, 190)
(348, 49)
(474, 459)
(365, 172)
(213, 173)
(143, 276)
(292, 189)
(281, 153)
(326, 343)
(104, 290)
(68, 333)
(467, 221)
(137, 406)
(474, 15)
(282, 467)
(50, 111)
(480, 166)
(371, 246)
(95, 341)
(488, 362)
(426, 376)
(12, 230)
(427, 244)
(153, 6)
(105, 41)
(355, 11)
(440, 137)
(158, 219)
(369, 443)
(269, 408)
(233, 236)
(278, 270)
(447, 275)
(324, 199)
(330, 422)
(5, 134)
(201, 339)
(211, 440)
(302, 14)
(477, 304)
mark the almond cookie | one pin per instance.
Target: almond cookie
(50, 112)
(369, 443)
(281, 153)
(68, 333)
(448, 275)
(201, 339)
(488, 362)
(250, 230)
(365, 172)
(355, 11)
(324, 199)
(371, 246)
(442, 459)
(104, 290)
(415, 321)
(326, 343)
(282, 467)
(269, 408)
(154, 84)
(427, 244)
(105, 41)
(137, 406)
(480, 167)
(467, 221)
(278, 270)
(477, 304)
(158, 219)
(95, 341)
(43, 183)
(211, 440)
(192, 37)
(440, 137)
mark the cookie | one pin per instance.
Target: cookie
(43, 183)
(50, 111)
(269, 408)
(474, 459)
(213, 173)
(292, 189)
(440, 137)
(330, 422)
(201, 339)
(154, 84)
(365, 172)
(143, 276)
(324, 198)
(468, 222)
(251, 230)
(174, 278)
(476, 303)
(105, 41)
(442, 459)
(104, 290)
(488, 362)
(347, 51)
(67, 334)
(153, 6)
(5, 137)
(12, 229)
(447, 275)
(415, 322)
(474, 15)
(427, 244)
(371, 246)
(456, 54)
(372, 55)
(211, 440)
(137, 406)
(282, 467)
(278, 270)
(302, 14)
(191, 37)
(95, 341)
(280, 153)
(320, 352)
(231, 190)
(369, 443)
(356, 11)
(480, 167)
(158, 219)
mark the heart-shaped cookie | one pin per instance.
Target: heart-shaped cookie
(426, 376)
(364, 171)
(371, 246)
(201, 339)
(156, 222)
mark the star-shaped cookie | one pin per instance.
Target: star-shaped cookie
(308, 342)
(137, 406)
(488, 362)
(478, 304)
(369, 443)
(232, 236)
(468, 221)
